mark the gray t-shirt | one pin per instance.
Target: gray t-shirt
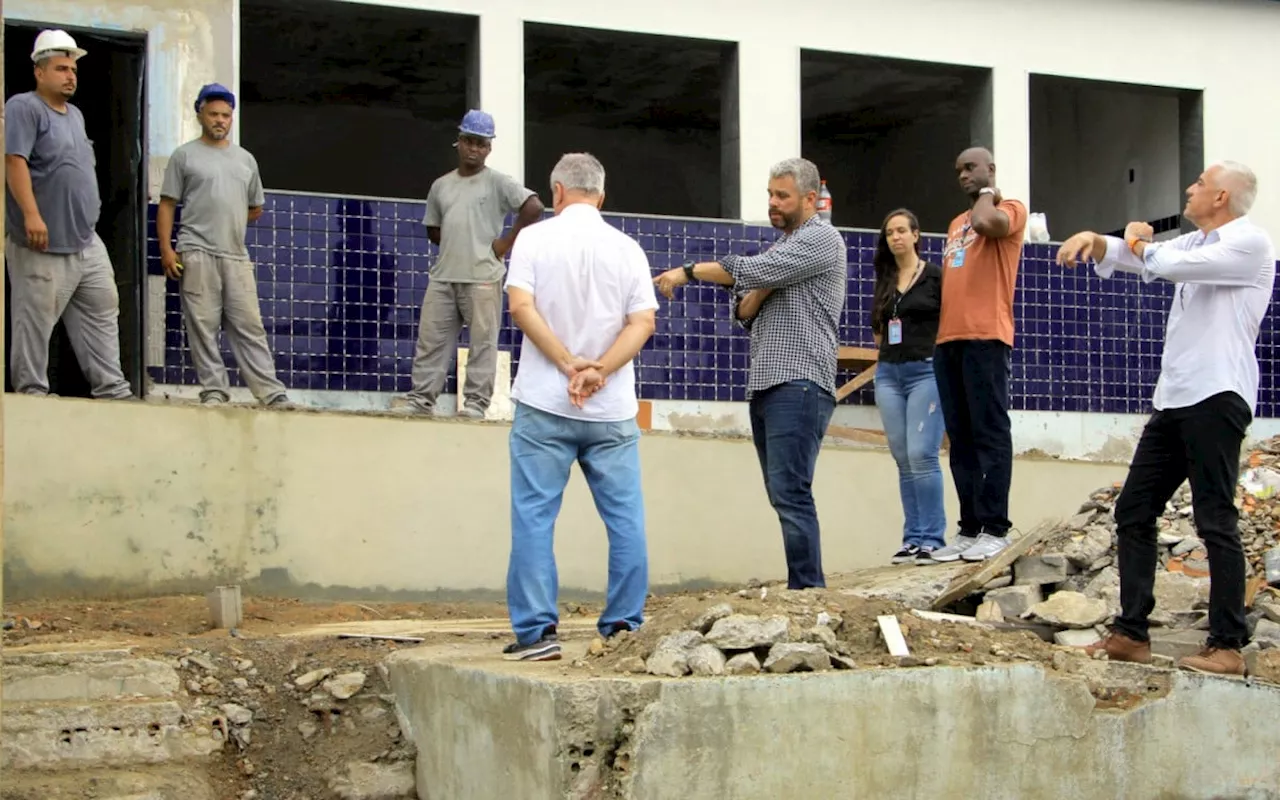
(60, 157)
(469, 213)
(216, 187)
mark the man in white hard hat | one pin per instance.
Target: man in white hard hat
(58, 267)
(466, 209)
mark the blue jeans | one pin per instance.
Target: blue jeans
(543, 449)
(907, 396)
(788, 422)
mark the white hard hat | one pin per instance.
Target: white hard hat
(52, 43)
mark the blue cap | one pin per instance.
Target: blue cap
(214, 91)
(477, 123)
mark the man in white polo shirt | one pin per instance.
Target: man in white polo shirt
(1223, 275)
(581, 292)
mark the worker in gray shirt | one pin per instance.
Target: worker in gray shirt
(220, 190)
(465, 212)
(58, 267)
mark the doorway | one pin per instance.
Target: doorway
(111, 95)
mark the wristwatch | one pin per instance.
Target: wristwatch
(986, 190)
(688, 270)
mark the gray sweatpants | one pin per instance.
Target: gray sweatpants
(446, 307)
(79, 288)
(219, 291)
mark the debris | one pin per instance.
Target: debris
(742, 664)
(1084, 549)
(631, 664)
(938, 616)
(798, 657)
(362, 781)
(671, 656)
(1177, 644)
(308, 681)
(1267, 666)
(1015, 600)
(237, 714)
(1077, 638)
(892, 633)
(706, 659)
(742, 632)
(966, 583)
(989, 611)
(345, 686)
(821, 634)
(710, 617)
(383, 637)
(1069, 610)
(1268, 632)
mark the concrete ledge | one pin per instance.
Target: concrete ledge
(107, 680)
(486, 728)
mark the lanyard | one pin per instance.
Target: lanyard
(902, 294)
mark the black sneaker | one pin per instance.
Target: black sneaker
(907, 555)
(924, 555)
(545, 649)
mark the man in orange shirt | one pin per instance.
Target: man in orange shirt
(972, 361)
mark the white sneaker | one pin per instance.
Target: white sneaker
(987, 546)
(952, 551)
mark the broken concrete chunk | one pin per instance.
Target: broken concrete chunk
(1270, 610)
(711, 616)
(841, 662)
(1187, 545)
(1168, 538)
(345, 686)
(1069, 610)
(797, 657)
(671, 657)
(1178, 592)
(237, 714)
(1266, 666)
(1081, 551)
(820, 634)
(1267, 631)
(1077, 638)
(360, 781)
(989, 611)
(742, 664)
(1040, 570)
(1015, 600)
(631, 664)
(999, 583)
(706, 659)
(308, 681)
(742, 632)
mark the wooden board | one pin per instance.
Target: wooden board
(968, 583)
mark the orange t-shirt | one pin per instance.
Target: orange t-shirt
(978, 275)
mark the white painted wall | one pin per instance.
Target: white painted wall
(189, 43)
(1083, 39)
(1087, 138)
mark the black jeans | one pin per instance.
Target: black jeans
(1200, 443)
(788, 422)
(973, 388)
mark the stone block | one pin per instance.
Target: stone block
(1041, 570)
(1015, 601)
(225, 607)
(85, 681)
(1177, 644)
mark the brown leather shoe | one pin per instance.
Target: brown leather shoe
(1119, 647)
(1215, 661)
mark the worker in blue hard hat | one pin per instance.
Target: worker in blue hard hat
(466, 211)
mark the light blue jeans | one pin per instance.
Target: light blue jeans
(543, 449)
(907, 396)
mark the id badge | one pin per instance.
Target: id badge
(895, 331)
(957, 260)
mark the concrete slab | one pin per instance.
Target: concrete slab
(168, 783)
(74, 736)
(486, 728)
(54, 680)
(913, 586)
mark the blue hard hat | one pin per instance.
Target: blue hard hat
(477, 123)
(214, 91)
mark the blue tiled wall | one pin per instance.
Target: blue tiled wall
(341, 281)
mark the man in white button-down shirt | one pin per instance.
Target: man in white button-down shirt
(1204, 400)
(581, 292)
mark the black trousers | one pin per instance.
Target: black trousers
(1200, 443)
(973, 389)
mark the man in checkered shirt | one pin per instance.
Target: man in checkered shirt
(790, 297)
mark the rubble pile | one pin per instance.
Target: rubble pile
(764, 630)
(1070, 579)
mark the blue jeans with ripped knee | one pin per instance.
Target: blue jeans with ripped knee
(907, 396)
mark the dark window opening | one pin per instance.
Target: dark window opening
(353, 99)
(1106, 154)
(885, 133)
(651, 108)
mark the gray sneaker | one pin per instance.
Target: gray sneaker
(952, 551)
(471, 412)
(987, 546)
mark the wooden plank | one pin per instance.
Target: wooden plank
(864, 435)
(860, 380)
(966, 584)
(892, 633)
(853, 353)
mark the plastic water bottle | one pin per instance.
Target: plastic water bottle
(824, 203)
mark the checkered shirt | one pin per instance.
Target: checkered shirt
(796, 334)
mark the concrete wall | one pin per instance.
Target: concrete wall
(128, 499)
(189, 43)
(1011, 43)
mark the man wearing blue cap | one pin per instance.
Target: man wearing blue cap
(466, 209)
(220, 190)
(58, 267)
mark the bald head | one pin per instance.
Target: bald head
(976, 170)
